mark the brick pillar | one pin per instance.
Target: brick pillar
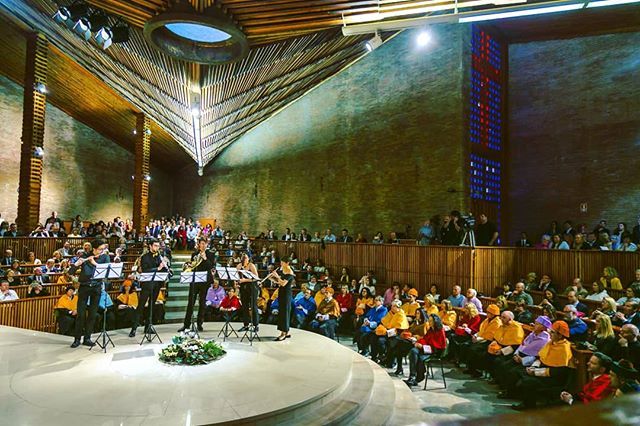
(142, 173)
(33, 116)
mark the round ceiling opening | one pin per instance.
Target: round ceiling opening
(197, 32)
(209, 37)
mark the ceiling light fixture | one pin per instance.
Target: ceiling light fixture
(374, 43)
(424, 37)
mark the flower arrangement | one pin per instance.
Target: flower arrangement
(186, 350)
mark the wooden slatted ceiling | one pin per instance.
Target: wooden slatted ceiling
(69, 84)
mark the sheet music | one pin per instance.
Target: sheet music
(249, 274)
(153, 277)
(193, 277)
(228, 273)
(107, 271)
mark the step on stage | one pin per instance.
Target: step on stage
(307, 379)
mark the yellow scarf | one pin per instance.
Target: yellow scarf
(397, 320)
(410, 308)
(509, 334)
(556, 354)
(488, 328)
(329, 308)
(448, 318)
(68, 304)
(130, 299)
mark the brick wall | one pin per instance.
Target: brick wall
(84, 173)
(574, 128)
(376, 148)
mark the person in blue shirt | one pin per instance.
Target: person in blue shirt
(371, 320)
(456, 298)
(304, 309)
(577, 327)
(329, 237)
(425, 234)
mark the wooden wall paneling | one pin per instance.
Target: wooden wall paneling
(593, 262)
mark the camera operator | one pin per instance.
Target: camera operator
(452, 231)
(486, 232)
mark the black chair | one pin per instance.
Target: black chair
(436, 358)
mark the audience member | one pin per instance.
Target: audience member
(520, 294)
(598, 292)
(66, 310)
(624, 378)
(471, 298)
(6, 294)
(628, 346)
(432, 343)
(304, 308)
(578, 328)
(599, 387)
(327, 315)
(456, 298)
(610, 279)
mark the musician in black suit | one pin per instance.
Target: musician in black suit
(151, 261)
(90, 289)
(201, 260)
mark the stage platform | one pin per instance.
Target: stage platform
(308, 379)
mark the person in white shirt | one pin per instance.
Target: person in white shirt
(6, 294)
(598, 293)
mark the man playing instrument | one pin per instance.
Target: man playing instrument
(201, 260)
(89, 289)
(151, 261)
(249, 290)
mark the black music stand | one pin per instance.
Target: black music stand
(150, 332)
(227, 328)
(105, 271)
(192, 278)
(234, 274)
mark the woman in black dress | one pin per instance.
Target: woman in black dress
(285, 283)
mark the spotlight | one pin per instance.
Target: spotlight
(200, 171)
(40, 87)
(100, 26)
(38, 152)
(135, 132)
(62, 16)
(147, 132)
(133, 177)
(423, 38)
(147, 178)
(374, 43)
(82, 28)
(76, 11)
(120, 33)
(195, 112)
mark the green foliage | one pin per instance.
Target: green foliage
(188, 351)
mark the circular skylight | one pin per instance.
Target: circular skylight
(198, 33)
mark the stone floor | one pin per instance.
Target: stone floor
(464, 398)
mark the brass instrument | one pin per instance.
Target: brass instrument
(194, 263)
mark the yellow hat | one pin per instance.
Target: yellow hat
(381, 330)
(493, 309)
(413, 292)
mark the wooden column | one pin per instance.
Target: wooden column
(32, 133)
(142, 173)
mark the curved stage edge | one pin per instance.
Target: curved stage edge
(46, 382)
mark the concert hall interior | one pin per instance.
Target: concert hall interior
(371, 212)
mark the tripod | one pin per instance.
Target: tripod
(106, 339)
(469, 238)
(150, 332)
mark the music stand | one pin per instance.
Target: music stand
(235, 274)
(150, 332)
(105, 271)
(192, 278)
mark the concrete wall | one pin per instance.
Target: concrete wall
(84, 173)
(376, 148)
(574, 131)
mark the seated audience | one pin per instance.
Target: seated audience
(531, 281)
(398, 346)
(432, 343)
(327, 315)
(502, 303)
(391, 294)
(8, 258)
(506, 340)
(456, 298)
(576, 286)
(508, 369)
(624, 378)
(127, 303)
(581, 308)
(412, 305)
(550, 298)
(214, 297)
(37, 290)
(629, 315)
(610, 279)
(519, 293)
(608, 307)
(345, 278)
(66, 311)
(467, 327)
(628, 346)
(545, 283)
(346, 303)
(578, 328)
(548, 372)
(481, 340)
(603, 339)
(522, 314)
(6, 294)
(433, 290)
(448, 316)
(598, 292)
(430, 306)
(471, 298)
(371, 321)
(599, 387)
(629, 296)
(230, 305)
(367, 281)
(557, 243)
(392, 324)
(38, 277)
(304, 308)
